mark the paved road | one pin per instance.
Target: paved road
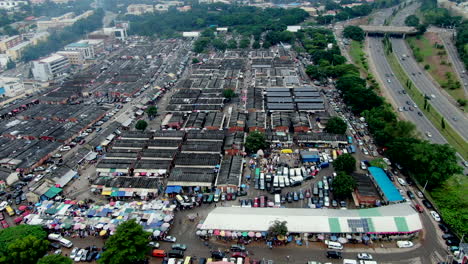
(423, 82)
(446, 36)
(383, 69)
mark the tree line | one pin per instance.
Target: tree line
(245, 20)
(60, 38)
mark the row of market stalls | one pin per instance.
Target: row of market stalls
(71, 216)
(399, 220)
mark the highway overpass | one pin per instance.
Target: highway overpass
(389, 30)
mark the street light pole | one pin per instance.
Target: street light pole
(424, 188)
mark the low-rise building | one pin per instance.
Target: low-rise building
(139, 9)
(62, 21)
(9, 42)
(16, 52)
(119, 33)
(11, 4)
(50, 68)
(75, 57)
(85, 49)
(11, 86)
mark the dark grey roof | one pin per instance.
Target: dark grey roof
(192, 175)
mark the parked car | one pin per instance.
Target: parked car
(74, 252)
(410, 194)
(170, 239)
(404, 244)
(435, 215)
(444, 228)
(420, 194)
(334, 254)
(217, 255)
(419, 208)
(364, 256)
(427, 204)
(237, 248)
(239, 255)
(401, 181)
(179, 247)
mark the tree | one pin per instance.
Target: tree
(195, 60)
(336, 125)
(129, 244)
(141, 125)
(354, 32)
(442, 123)
(412, 21)
(345, 163)
(232, 44)
(26, 250)
(256, 45)
(278, 228)
(10, 64)
(255, 141)
(55, 259)
(152, 111)
(229, 93)
(13, 233)
(343, 185)
(244, 43)
(380, 163)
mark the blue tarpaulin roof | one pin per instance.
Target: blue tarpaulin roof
(173, 189)
(390, 191)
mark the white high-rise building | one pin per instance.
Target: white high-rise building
(50, 68)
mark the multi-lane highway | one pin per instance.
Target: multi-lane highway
(425, 85)
(395, 90)
(446, 37)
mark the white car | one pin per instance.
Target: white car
(387, 161)
(327, 202)
(65, 148)
(170, 239)
(364, 150)
(420, 194)
(404, 244)
(85, 253)
(153, 244)
(39, 177)
(435, 215)
(428, 134)
(73, 253)
(79, 255)
(364, 256)
(401, 181)
(363, 165)
(3, 205)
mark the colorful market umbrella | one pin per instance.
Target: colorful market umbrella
(203, 233)
(258, 235)
(342, 240)
(156, 233)
(22, 207)
(222, 233)
(228, 233)
(244, 234)
(216, 232)
(167, 218)
(251, 234)
(103, 233)
(198, 232)
(281, 237)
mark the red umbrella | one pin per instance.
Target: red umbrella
(22, 207)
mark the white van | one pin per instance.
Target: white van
(65, 242)
(54, 237)
(281, 181)
(334, 245)
(276, 181)
(285, 171)
(287, 182)
(298, 172)
(292, 173)
(277, 200)
(240, 261)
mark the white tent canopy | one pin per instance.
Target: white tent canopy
(397, 218)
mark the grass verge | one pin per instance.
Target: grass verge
(357, 54)
(449, 133)
(429, 51)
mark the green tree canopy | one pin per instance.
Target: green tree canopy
(26, 250)
(9, 235)
(55, 259)
(336, 125)
(255, 141)
(380, 163)
(354, 32)
(129, 244)
(152, 111)
(141, 125)
(412, 21)
(10, 64)
(345, 163)
(343, 185)
(228, 93)
(278, 228)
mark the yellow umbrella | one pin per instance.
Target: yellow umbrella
(281, 237)
(222, 233)
(103, 232)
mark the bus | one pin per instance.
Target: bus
(350, 139)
